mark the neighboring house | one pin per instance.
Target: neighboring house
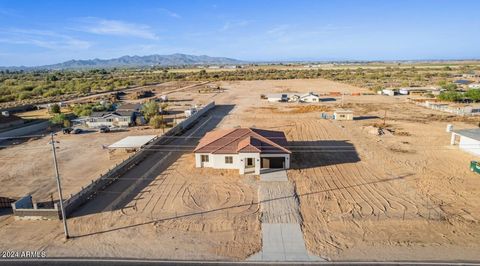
(283, 97)
(129, 107)
(249, 150)
(417, 90)
(469, 140)
(111, 119)
(7, 120)
(294, 98)
(389, 92)
(309, 98)
(341, 114)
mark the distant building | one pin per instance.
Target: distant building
(111, 119)
(342, 114)
(129, 107)
(474, 86)
(309, 98)
(469, 140)
(462, 82)
(282, 97)
(294, 98)
(389, 92)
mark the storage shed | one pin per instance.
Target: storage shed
(468, 140)
(342, 114)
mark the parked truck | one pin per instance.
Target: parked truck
(475, 167)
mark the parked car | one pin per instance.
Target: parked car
(67, 130)
(475, 167)
(104, 129)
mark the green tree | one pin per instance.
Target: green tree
(157, 121)
(451, 96)
(473, 94)
(149, 110)
(55, 109)
(58, 119)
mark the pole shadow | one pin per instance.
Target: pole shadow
(241, 205)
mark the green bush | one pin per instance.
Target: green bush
(451, 96)
(55, 109)
(58, 119)
(157, 121)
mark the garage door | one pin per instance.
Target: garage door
(273, 162)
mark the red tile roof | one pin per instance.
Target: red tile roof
(238, 140)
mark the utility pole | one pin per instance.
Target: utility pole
(59, 187)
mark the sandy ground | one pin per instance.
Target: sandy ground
(403, 195)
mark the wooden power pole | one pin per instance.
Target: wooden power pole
(59, 187)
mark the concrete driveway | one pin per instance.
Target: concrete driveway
(273, 175)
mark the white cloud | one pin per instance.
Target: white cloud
(234, 24)
(43, 39)
(116, 28)
(170, 13)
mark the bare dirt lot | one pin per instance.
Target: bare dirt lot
(27, 168)
(403, 195)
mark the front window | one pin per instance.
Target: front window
(228, 159)
(204, 158)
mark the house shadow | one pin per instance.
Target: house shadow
(178, 100)
(366, 117)
(173, 112)
(310, 154)
(5, 211)
(330, 99)
(132, 183)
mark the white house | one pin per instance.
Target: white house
(309, 98)
(282, 97)
(469, 140)
(249, 150)
(111, 119)
(389, 92)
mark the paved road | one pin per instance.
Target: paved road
(121, 262)
(137, 178)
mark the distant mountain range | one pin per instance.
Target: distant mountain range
(136, 61)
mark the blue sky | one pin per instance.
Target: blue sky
(45, 32)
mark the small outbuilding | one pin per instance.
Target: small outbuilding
(132, 143)
(342, 114)
(467, 139)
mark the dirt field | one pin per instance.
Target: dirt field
(404, 195)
